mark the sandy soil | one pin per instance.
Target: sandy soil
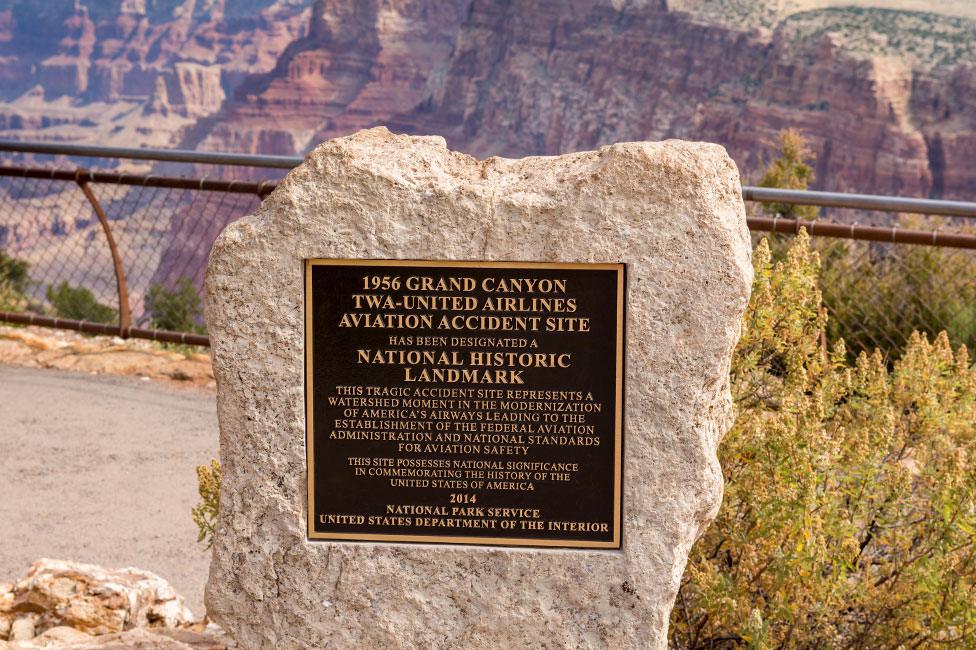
(37, 347)
(101, 469)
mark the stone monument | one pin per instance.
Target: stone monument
(472, 404)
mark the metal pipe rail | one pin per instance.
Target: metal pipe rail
(163, 155)
(106, 329)
(749, 193)
(859, 201)
(892, 235)
(767, 224)
(261, 188)
(766, 195)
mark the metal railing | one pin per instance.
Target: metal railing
(161, 155)
(156, 232)
(749, 193)
(859, 201)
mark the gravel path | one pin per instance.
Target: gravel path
(102, 469)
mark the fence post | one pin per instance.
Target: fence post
(125, 312)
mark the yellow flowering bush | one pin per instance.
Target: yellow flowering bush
(849, 518)
(206, 512)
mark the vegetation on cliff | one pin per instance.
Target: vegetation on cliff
(78, 303)
(14, 279)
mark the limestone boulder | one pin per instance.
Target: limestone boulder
(672, 211)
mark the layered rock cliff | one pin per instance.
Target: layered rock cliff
(361, 62)
(885, 96)
(110, 50)
(132, 71)
(542, 77)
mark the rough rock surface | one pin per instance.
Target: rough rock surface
(88, 599)
(671, 210)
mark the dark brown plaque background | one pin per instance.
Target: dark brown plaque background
(593, 494)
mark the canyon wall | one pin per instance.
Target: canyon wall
(110, 50)
(132, 71)
(502, 78)
(361, 62)
(545, 77)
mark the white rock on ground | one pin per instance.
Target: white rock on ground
(672, 210)
(66, 638)
(89, 599)
(71, 606)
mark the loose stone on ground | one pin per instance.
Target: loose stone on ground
(62, 604)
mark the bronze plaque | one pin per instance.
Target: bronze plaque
(465, 402)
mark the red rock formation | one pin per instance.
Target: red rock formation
(132, 72)
(546, 77)
(572, 80)
(110, 50)
(66, 73)
(360, 63)
(942, 107)
(493, 76)
(189, 89)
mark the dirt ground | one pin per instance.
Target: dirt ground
(37, 347)
(101, 469)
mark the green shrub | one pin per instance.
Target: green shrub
(10, 298)
(14, 273)
(14, 280)
(849, 518)
(206, 512)
(176, 309)
(78, 303)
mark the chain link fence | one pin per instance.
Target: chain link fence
(56, 259)
(878, 293)
(879, 282)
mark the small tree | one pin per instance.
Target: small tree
(14, 273)
(790, 172)
(176, 309)
(14, 280)
(78, 303)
